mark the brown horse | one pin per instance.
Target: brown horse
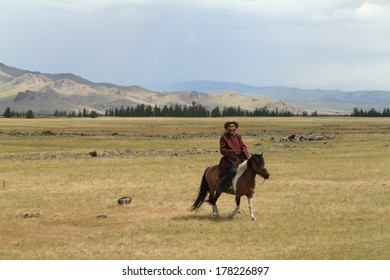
(243, 184)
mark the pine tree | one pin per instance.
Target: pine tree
(29, 114)
(7, 113)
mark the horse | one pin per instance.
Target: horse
(243, 183)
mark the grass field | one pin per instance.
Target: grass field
(328, 198)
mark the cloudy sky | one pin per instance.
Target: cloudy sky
(329, 44)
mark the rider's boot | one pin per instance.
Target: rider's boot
(221, 183)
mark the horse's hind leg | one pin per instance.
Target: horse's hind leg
(215, 211)
(231, 214)
(213, 202)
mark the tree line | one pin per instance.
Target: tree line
(194, 110)
(8, 113)
(371, 113)
(142, 110)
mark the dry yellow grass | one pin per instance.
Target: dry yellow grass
(325, 199)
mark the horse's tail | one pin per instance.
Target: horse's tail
(203, 190)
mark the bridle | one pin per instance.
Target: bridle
(258, 172)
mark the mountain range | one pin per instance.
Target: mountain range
(23, 90)
(324, 101)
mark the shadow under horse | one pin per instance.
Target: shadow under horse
(243, 184)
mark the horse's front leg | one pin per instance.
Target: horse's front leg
(250, 209)
(238, 200)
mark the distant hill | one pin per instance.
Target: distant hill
(23, 90)
(211, 86)
(326, 101)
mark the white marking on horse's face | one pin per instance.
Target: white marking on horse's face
(240, 170)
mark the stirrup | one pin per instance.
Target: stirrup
(228, 189)
(219, 188)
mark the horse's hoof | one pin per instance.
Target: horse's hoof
(253, 218)
(216, 216)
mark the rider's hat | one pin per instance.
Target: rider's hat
(230, 122)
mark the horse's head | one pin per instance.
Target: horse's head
(257, 163)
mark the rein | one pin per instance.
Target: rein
(258, 173)
(261, 182)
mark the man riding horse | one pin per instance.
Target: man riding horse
(234, 165)
(234, 152)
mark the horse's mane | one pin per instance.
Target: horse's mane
(242, 167)
(240, 170)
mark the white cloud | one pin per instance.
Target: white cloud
(372, 10)
(283, 10)
(261, 42)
